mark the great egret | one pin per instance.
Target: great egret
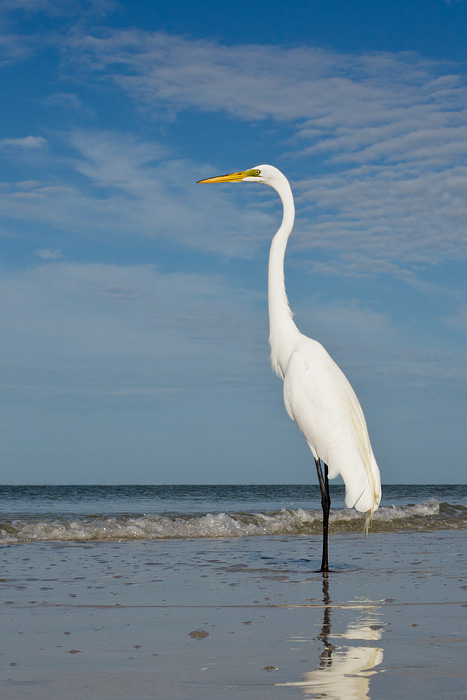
(317, 394)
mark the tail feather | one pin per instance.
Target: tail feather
(364, 494)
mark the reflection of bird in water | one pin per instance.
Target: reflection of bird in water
(347, 678)
(326, 655)
(317, 394)
(344, 672)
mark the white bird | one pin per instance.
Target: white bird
(317, 394)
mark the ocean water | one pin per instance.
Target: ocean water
(142, 512)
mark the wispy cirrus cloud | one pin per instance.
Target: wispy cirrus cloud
(155, 333)
(385, 133)
(25, 142)
(49, 253)
(56, 8)
(365, 107)
(15, 48)
(113, 183)
(386, 219)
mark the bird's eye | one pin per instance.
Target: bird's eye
(257, 172)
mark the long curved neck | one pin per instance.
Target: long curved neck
(282, 330)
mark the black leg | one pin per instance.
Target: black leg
(326, 506)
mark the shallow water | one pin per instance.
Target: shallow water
(237, 617)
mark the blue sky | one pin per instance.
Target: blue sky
(134, 311)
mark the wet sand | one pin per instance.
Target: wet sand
(237, 618)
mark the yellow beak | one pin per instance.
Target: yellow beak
(233, 177)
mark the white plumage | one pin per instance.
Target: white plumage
(318, 396)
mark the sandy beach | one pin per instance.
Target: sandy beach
(236, 618)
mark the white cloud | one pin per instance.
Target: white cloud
(68, 101)
(385, 134)
(381, 219)
(112, 183)
(14, 48)
(49, 253)
(26, 142)
(347, 101)
(90, 334)
(58, 8)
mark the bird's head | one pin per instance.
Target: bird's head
(267, 174)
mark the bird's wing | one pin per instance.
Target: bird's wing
(319, 397)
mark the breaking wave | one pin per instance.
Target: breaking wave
(429, 515)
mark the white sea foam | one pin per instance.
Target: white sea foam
(390, 513)
(428, 515)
